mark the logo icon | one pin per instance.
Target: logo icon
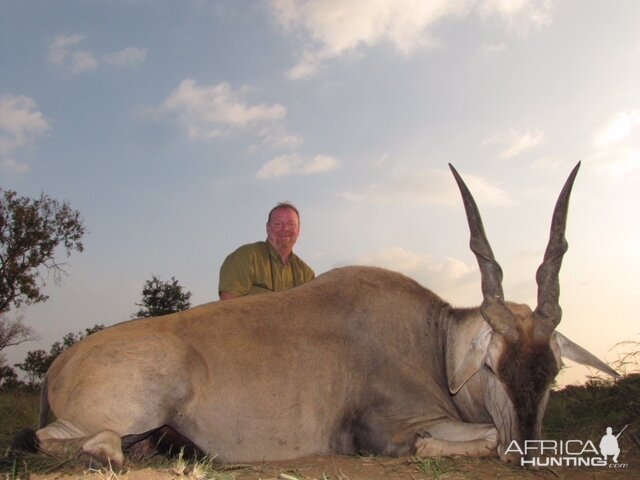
(609, 444)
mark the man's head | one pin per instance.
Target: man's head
(283, 228)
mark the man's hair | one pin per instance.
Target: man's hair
(282, 205)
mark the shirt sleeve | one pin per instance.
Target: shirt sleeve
(305, 270)
(236, 274)
(309, 274)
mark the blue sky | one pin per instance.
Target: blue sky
(174, 127)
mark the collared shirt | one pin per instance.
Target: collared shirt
(257, 268)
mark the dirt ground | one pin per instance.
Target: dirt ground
(362, 468)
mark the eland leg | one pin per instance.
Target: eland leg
(63, 440)
(452, 438)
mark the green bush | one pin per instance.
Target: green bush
(586, 411)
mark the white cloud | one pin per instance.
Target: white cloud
(67, 53)
(617, 143)
(618, 128)
(395, 258)
(13, 166)
(436, 187)
(218, 110)
(617, 162)
(310, 65)
(552, 162)
(423, 267)
(332, 28)
(294, 164)
(491, 50)
(276, 137)
(130, 57)
(21, 124)
(514, 142)
(320, 164)
(520, 16)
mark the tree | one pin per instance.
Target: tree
(30, 233)
(35, 365)
(70, 338)
(14, 332)
(8, 378)
(161, 298)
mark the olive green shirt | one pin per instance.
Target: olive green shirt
(257, 268)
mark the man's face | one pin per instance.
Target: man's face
(283, 229)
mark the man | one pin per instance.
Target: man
(609, 445)
(268, 266)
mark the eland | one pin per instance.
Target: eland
(360, 360)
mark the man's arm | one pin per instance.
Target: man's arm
(236, 274)
(226, 296)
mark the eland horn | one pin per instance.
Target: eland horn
(493, 308)
(548, 313)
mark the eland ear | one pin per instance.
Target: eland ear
(575, 352)
(465, 358)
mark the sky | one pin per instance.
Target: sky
(174, 127)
